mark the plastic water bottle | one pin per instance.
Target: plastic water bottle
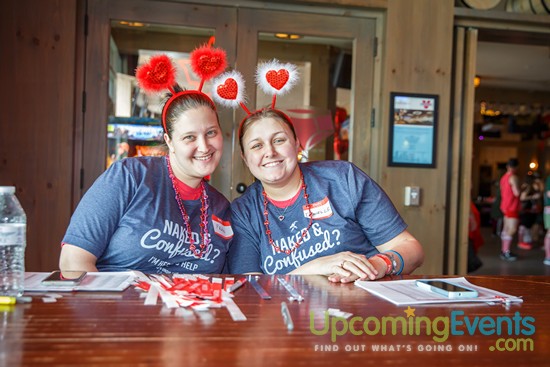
(13, 232)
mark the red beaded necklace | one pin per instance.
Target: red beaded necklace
(205, 238)
(266, 223)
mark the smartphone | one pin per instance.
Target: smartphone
(64, 278)
(447, 289)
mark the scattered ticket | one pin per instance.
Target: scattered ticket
(335, 312)
(195, 292)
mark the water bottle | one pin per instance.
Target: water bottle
(13, 230)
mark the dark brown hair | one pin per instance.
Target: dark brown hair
(185, 102)
(261, 114)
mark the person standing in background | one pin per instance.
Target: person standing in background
(475, 238)
(496, 213)
(537, 231)
(510, 207)
(547, 221)
(529, 198)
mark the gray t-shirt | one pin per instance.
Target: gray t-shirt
(351, 213)
(130, 220)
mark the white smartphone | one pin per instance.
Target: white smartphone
(446, 289)
(64, 278)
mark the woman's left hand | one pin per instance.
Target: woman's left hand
(346, 264)
(377, 263)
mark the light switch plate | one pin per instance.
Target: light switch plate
(412, 196)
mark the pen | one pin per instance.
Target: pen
(237, 285)
(9, 300)
(286, 316)
(258, 288)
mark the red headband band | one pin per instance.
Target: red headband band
(177, 95)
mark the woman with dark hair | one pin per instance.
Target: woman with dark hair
(324, 217)
(158, 214)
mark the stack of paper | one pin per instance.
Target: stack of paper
(93, 281)
(405, 292)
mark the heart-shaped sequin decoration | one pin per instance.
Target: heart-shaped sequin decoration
(229, 89)
(211, 62)
(158, 74)
(277, 79)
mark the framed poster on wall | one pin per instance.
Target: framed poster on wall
(413, 130)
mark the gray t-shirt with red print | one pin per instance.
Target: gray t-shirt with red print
(350, 213)
(130, 220)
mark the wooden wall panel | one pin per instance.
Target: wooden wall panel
(36, 128)
(418, 46)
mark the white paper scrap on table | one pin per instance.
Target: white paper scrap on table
(168, 299)
(336, 312)
(201, 276)
(232, 308)
(152, 296)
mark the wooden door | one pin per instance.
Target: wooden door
(461, 150)
(118, 29)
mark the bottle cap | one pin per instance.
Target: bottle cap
(7, 189)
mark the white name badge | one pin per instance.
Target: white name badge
(222, 228)
(319, 210)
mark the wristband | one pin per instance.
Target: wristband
(390, 266)
(402, 262)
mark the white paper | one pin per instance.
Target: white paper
(405, 292)
(93, 281)
(232, 308)
(152, 296)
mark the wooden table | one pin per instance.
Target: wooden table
(86, 329)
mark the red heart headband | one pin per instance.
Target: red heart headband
(273, 77)
(160, 73)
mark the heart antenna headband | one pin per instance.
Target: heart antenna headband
(273, 77)
(159, 73)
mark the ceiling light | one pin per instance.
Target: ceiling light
(132, 24)
(477, 81)
(287, 36)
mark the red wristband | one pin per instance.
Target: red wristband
(387, 261)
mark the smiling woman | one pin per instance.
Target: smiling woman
(337, 222)
(129, 220)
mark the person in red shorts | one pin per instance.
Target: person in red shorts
(510, 206)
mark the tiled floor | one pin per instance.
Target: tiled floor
(528, 262)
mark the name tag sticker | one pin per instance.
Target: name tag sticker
(319, 210)
(222, 228)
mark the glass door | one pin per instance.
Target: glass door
(331, 105)
(120, 120)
